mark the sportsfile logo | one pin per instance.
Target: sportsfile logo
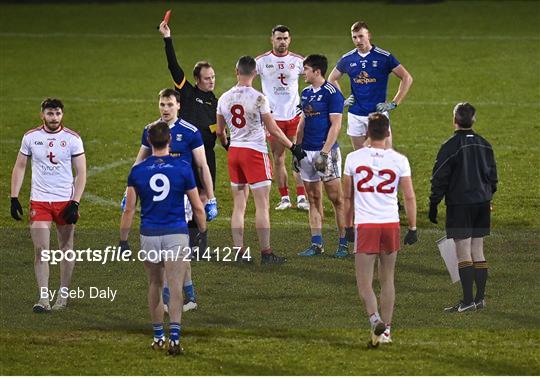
(115, 254)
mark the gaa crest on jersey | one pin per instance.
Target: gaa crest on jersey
(63, 143)
(179, 137)
(374, 63)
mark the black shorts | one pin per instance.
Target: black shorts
(468, 221)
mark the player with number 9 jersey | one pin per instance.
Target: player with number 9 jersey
(161, 182)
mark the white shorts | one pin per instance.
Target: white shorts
(333, 167)
(357, 125)
(157, 249)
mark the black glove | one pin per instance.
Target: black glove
(349, 234)
(71, 212)
(202, 242)
(295, 164)
(411, 237)
(226, 146)
(16, 208)
(124, 246)
(298, 152)
(432, 212)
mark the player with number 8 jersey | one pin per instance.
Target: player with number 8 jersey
(245, 112)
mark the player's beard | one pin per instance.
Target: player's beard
(53, 126)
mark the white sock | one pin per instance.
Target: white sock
(44, 298)
(374, 319)
(63, 293)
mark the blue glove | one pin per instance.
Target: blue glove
(123, 203)
(349, 101)
(386, 106)
(211, 209)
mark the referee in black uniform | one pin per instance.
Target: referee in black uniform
(465, 174)
(198, 102)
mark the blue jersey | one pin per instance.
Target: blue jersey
(317, 105)
(160, 183)
(368, 76)
(184, 139)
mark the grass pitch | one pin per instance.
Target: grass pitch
(107, 63)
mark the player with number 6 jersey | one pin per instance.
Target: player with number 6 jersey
(370, 185)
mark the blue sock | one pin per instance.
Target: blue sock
(174, 331)
(316, 239)
(343, 241)
(158, 331)
(166, 295)
(189, 291)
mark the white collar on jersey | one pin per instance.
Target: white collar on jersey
(362, 54)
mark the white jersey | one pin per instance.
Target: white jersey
(52, 177)
(279, 79)
(376, 173)
(242, 107)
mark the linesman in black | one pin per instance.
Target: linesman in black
(465, 174)
(198, 102)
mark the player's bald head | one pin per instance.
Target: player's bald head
(246, 65)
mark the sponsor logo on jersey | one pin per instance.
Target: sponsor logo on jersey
(50, 170)
(310, 112)
(51, 157)
(363, 78)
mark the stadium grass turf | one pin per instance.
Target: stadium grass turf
(107, 63)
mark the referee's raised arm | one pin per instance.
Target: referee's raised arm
(176, 71)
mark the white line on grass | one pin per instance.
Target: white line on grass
(95, 199)
(98, 169)
(122, 100)
(261, 36)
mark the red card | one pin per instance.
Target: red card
(167, 16)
